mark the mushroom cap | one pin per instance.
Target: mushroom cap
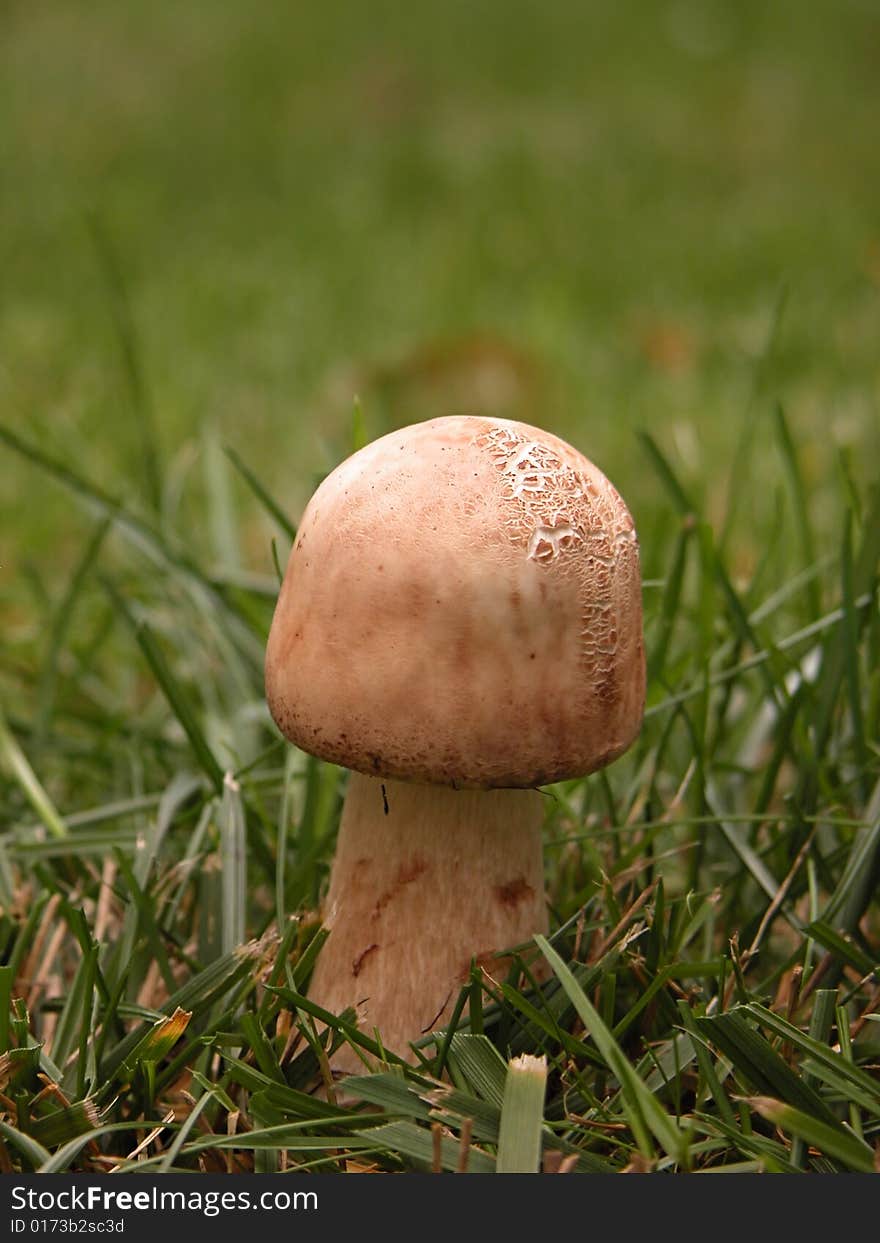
(462, 606)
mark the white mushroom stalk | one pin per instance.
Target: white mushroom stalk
(426, 880)
(460, 620)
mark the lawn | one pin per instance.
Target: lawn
(238, 241)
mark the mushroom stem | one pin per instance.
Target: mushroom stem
(425, 880)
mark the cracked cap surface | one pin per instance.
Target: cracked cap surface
(462, 606)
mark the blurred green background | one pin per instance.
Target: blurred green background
(221, 220)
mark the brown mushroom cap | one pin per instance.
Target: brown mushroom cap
(462, 606)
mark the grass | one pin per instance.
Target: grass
(713, 996)
(260, 222)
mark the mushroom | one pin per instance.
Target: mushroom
(460, 622)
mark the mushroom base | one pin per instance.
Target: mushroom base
(426, 880)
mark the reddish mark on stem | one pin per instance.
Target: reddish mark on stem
(514, 892)
(408, 872)
(359, 961)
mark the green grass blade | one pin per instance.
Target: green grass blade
(836, 1142)
(233, 858)
(760, 1064)
(157, 1043)
(76, 1019)
(798, 490)
(266, 500)
(32, 1151)
(670, 606)
(644, 1111)
(667, 475)
(825, 1064)
(197, 995)
(16, 763)
(856, 888)
(522, 1116)
(705, 1064)
(842, 947)
(261, 1048)
(147, 539)
(391, 1092)
(452, 1107)
(417, 1144)
(61, 623)
(850, 646)
(60, 1160)
(337, 1023)
(61, 1125)
(223, 527)
(171, 688)
(480, 1064)
(359, 434)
